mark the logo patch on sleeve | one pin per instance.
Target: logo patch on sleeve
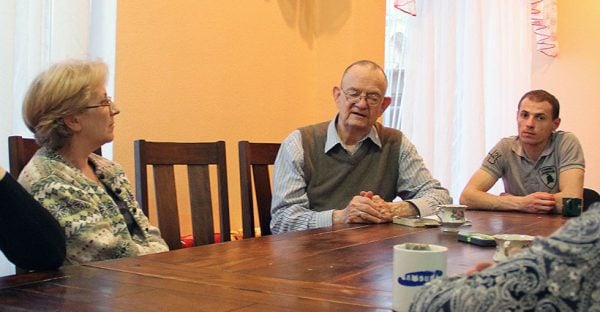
(548, 176)
(493, 157)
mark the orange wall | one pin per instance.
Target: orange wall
(574, 77)
(192, 70)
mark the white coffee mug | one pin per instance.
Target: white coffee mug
(508, 244)
(414, 266)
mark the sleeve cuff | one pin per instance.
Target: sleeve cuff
(324, 218)
(423, 206)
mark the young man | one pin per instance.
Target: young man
(539, 166)
(329, 173)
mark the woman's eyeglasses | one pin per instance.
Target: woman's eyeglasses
(106, 102)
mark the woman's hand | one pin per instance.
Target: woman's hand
(479, 267)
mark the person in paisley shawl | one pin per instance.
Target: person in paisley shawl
(557, 273)
(70, 115)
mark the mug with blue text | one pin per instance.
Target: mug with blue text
(414, 266)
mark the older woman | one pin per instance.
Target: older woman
(70, 114)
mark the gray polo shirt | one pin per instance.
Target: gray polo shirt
(522, 176)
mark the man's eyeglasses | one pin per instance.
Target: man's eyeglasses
(354, 96)
(106, 102)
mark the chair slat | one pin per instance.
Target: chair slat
(201, 204)
(263, 197)
(166, 199)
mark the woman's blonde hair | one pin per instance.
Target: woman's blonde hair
(64, 89)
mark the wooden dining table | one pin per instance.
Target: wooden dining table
(345, 268)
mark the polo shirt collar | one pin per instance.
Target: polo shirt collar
(517, 146)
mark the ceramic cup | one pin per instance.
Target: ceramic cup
(509, 244)
(451, 217)
(414, 266)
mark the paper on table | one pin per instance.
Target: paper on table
(416, 222)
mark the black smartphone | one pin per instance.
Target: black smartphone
(479, 239)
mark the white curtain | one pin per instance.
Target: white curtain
(466, 64)
(37, 33)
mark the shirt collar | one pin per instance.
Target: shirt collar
(518, 146)
(333, 137)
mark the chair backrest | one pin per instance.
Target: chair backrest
(21, 150)
(163, 156)
(258, 157)
(589, 197)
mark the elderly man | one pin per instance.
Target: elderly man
(539, 167)
(350, 169)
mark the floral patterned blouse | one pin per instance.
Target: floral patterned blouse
(558, 273)
(94, 227)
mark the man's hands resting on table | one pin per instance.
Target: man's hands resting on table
(369, 208)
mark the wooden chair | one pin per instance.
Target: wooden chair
(21, 150)
(163, 156)
(258, 157)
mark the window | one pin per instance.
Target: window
(395, 28)
(456, 70)
(37, 33)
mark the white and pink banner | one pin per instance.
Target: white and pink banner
(543, 22)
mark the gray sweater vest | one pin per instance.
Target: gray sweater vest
(333, 178)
